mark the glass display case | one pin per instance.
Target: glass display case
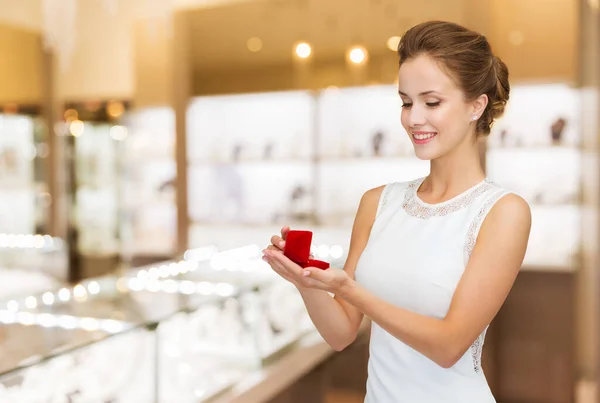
(180, 332)
(535, 150)
(361, 145)
(96, 207)
(149, 215)
(18, 151)
(299, 158)
(239, 147)
(31, 263)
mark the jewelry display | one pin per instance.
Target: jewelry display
(274, 128)
(209, 332)
(534, 151)
(149, 167)
(97, 203)
(539, 115)
(34, 253)
(281, 121)
(17, 155)
(17, 282)
(88, 374)
(359, 119)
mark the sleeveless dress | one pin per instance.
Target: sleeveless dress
(414, 259)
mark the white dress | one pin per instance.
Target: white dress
(414, 259)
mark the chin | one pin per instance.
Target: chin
(426, 155)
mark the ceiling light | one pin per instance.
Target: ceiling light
(76, 128)
(115, 109)
(254, 44)
(392, 43)
(303, 50)
(357, 55)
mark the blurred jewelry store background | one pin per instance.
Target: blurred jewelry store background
(149, 149)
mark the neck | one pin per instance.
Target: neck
(457, 171)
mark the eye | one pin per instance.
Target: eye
(433, 104)
(406, 105)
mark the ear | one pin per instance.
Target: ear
(478, 105)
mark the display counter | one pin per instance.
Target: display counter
(178, 333)
(220, 326)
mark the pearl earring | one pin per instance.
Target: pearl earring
(474, 117)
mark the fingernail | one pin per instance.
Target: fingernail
(265, 258)
(306, 273)
(281, 244)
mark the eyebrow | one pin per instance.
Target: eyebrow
(421, 94)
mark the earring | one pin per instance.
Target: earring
(474, 117)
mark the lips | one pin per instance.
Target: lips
(421, 137)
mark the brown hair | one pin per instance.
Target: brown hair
(467, 56)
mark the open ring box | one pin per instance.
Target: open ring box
(297, 249)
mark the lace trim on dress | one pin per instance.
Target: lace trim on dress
(416, 208)
(473, 231)
(476, 352)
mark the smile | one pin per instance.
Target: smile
(423, 137)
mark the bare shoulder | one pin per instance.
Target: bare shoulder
(371, 197)
(369, 202)
(363, 222)
(512, 208)
(507, 225)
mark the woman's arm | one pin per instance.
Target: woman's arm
(336, 320)
(483, 288)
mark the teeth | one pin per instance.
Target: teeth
(423, 136)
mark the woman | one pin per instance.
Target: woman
(431, 261)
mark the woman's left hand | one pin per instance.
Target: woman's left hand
(332, 280)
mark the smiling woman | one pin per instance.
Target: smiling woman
(431, 260)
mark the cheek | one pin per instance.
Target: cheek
(404, 118)
(443, 119)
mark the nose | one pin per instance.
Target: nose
(416, 116)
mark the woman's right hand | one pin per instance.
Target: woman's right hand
(277, 245)
(278, 242)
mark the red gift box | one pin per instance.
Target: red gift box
(297, 249)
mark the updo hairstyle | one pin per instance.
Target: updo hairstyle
(466, 56)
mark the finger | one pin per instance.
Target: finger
(278, 256)
(277, 241)
(272, 248)
(317, 274)
(281, 271)
(284, 232)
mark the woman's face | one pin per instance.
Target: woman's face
(435, 114)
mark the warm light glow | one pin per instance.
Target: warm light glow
(48, 298)
(93, 287)
(64, 294)
(70, 115)
(79, 292)
(118, 133)
(336, 251)
(114, 109)
(392, 43)
(357, 55)
(516, 38)
(594, 4)
(76, 128)
(303, 50)
(31, 302)
(254, 44)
